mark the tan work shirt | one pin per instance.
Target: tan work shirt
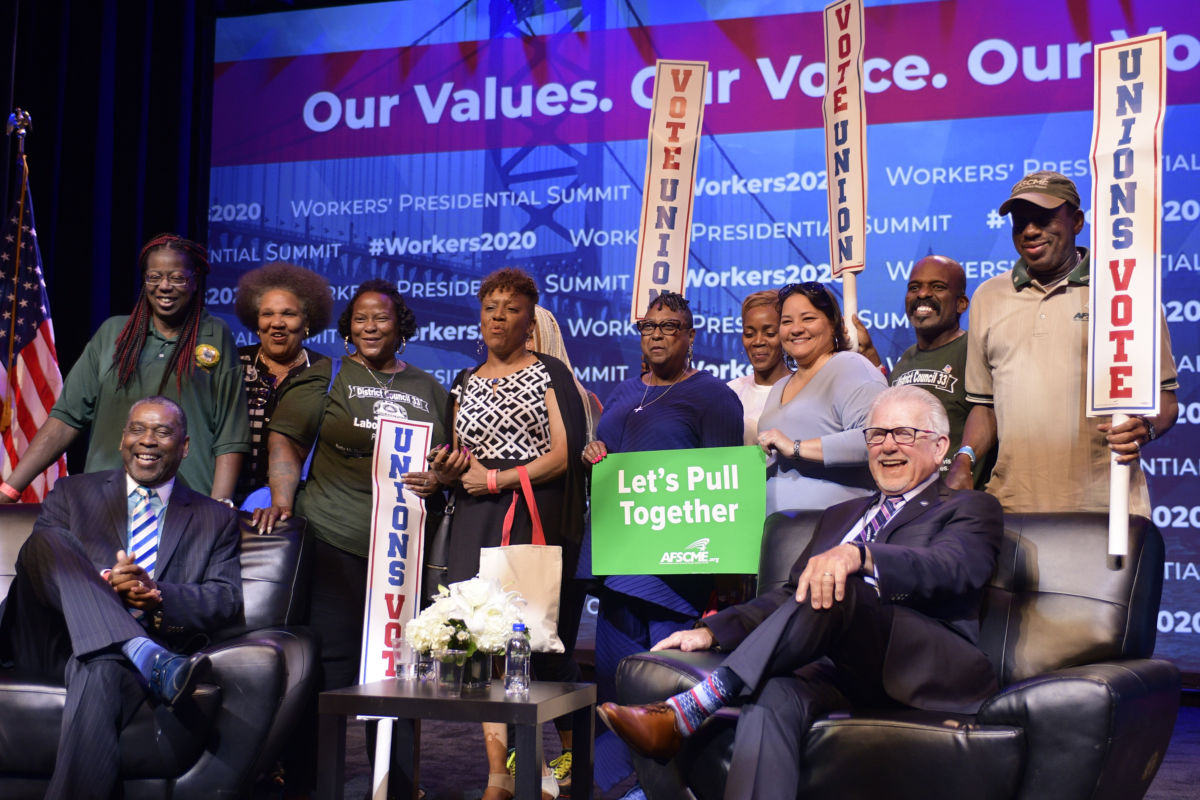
(1027, 358)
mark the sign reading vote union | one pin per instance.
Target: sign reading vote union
(670, 512)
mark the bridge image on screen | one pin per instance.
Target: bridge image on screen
(385, 140)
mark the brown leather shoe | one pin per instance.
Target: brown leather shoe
(650, 730)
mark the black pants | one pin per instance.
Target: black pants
(335, 614)
(799, 664)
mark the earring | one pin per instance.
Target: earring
(403, 344)
(479, 347)
(689, 354)
(306, 332)
(347, 346)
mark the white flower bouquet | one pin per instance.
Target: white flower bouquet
(472, 615)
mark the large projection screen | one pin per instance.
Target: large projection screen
(430, 146)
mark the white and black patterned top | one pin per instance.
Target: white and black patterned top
(505, 418)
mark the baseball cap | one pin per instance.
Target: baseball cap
(1046, 189)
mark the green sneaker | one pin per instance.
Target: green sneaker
(511, 762)
(561, 769)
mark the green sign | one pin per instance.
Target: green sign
(670, 512)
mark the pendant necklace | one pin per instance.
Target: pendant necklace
(384, 387)
(494, 382)
(260, 359)
(671, 385)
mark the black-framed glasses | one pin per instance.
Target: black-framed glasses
(175, 279)
(669, 327)
(902, 435)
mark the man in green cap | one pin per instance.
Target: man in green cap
(1027, 370)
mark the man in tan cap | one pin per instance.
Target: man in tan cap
(1027, 370)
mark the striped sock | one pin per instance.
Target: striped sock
(141, 651)
(704, 699)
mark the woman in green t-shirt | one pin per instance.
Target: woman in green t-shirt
(339, 420)
(169, 345)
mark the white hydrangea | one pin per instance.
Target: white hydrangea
(485, 609)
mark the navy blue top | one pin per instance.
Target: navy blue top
(699, 411)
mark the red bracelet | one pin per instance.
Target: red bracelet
(493, 478)
(9, 492)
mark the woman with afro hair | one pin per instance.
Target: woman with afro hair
(282, 304)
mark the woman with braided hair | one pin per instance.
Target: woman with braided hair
(168, 346)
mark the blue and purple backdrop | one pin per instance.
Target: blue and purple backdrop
(428, 146)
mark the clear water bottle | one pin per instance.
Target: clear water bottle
(516, 663)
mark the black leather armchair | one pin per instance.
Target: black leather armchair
(232, 728)
(1084, 711)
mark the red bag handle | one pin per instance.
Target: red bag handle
(539, 536)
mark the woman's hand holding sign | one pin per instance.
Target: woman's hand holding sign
(594, 452)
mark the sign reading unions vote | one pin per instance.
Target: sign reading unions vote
(1124, 363)
(670, 512)
(397, 543)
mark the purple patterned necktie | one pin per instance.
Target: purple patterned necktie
(885, 513)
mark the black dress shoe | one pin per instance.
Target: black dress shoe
(173, 676)
(650, 730)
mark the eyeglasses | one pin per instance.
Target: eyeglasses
(905, 436)
(175, 279)
(669, 327)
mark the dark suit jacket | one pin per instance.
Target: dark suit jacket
(197, 568)
(933, 560)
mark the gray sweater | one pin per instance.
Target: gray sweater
(833, 406)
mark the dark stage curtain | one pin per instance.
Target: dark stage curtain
(120, 93)
(119, 148)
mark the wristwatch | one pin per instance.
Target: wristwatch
(862, 553)
(796, 450)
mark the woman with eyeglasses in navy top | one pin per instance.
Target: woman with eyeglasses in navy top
(672, 406)
(811, 427)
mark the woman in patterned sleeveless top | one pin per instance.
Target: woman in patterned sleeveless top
(517, 408)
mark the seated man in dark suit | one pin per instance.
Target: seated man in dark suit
(881, 609)
(121, 566)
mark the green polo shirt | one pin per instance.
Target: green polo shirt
(211, 396)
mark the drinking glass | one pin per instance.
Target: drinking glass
(449, 664)
(406, 659)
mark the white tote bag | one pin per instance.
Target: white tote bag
(534, 570)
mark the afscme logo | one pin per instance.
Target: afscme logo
(694, 553)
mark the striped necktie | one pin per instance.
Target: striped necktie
(143, 530)
(885, 513)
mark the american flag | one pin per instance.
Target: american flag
(29, 375)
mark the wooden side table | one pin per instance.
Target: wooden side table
(419, 700)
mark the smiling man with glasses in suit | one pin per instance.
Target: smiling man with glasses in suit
(881, 609)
